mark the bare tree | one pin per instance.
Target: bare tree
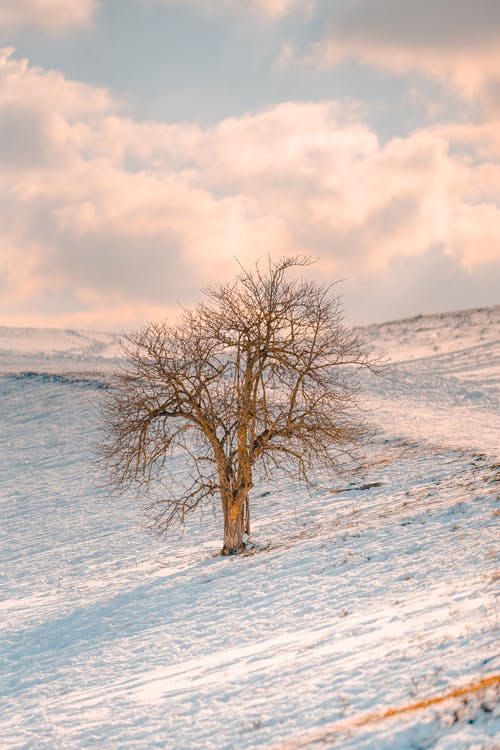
(258, 376)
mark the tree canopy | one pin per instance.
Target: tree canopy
(257, 377)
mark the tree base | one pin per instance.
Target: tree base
(231, 550)
(247, 547)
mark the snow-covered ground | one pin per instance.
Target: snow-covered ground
(377, 589)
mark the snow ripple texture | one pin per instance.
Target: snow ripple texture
(378, 587)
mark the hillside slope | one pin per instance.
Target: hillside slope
(377, 589)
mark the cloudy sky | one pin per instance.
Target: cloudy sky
(144, 144)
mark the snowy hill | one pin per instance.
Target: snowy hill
(56, 350)
(378, 590)
(446, 387)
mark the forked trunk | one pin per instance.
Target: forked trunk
(236, 523)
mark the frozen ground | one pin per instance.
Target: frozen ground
(366, 600)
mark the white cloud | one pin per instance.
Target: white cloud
(38, 111)
(52, 15)
(105, 219)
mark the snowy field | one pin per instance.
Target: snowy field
(377, 591)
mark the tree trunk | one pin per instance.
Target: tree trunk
(235, 523)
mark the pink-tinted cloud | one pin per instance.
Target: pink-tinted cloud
(51, 15)
(105, 221)
(456, 41)
(348, 198)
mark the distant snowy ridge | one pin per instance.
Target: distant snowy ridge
(58, 341)
(56, 350)
(449, 339)
(440, 336)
